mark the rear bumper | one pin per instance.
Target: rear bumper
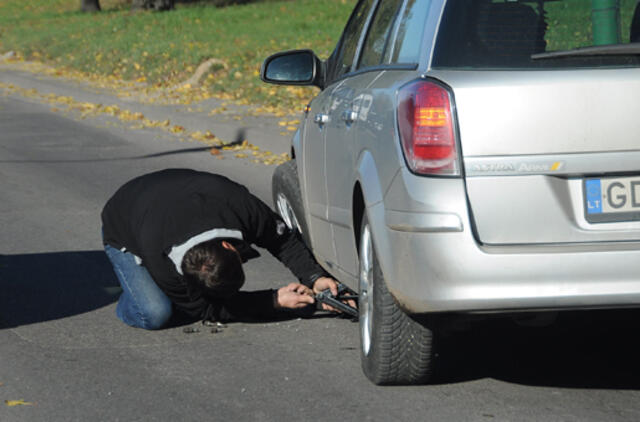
(433, 263)
(449, 272)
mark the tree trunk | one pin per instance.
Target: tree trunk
(153, 4)
(90, 5)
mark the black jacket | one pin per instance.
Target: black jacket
(150, 216)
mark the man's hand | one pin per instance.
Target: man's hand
(324, 283)
(294, 296)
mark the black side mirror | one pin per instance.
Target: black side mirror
(297, 67)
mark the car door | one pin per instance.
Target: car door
(348, 111)
(321, 116)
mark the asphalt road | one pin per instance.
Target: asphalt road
(65, 354)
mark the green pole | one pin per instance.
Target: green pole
(605, 18)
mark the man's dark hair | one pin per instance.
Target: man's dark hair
(213, 269)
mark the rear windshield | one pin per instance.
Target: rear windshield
(499, 34)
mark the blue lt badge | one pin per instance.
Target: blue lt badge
(594, 196)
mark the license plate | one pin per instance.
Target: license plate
(612, 199)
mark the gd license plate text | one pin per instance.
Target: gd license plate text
(613, 196)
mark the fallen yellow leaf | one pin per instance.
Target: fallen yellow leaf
(12, 403)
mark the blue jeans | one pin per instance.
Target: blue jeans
(142, 304)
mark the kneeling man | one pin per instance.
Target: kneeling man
(177, 239)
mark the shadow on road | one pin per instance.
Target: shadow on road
(48, 286)
(588, 349)
(240, 137)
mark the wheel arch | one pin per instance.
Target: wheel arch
(357, 211)
(368, 197)
(296, 142)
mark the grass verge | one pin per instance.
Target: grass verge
(162, 49)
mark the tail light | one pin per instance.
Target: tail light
(425, 122)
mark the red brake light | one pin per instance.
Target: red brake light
(425, 120)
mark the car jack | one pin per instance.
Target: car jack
(337, 302)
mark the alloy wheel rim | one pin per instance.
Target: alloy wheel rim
(286, 212)
(366, 290)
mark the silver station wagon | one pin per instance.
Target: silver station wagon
(469, 157)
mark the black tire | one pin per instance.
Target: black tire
(287, 198)
(394, 347)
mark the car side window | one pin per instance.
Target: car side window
(408, 40)
(379, 31)
(342, 58)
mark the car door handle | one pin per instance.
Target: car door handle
(321, 118)
(349, 116)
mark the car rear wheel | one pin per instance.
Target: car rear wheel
(395, 348)
(287, 198)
